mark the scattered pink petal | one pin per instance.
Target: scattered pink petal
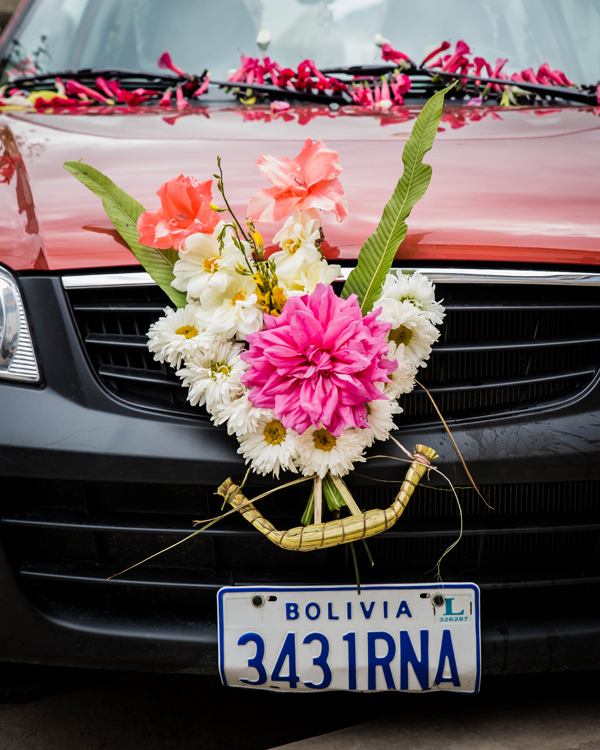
(166, 98)
(279, 106)
(393, 55)
(78, 89)
(203, 88)
(441, 48)
(180, 99)
(164, 61)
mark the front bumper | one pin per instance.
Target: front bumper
(71, 429)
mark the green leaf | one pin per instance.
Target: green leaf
(309, 511)
(377, 254)
(346, 495)
(124, 211)
(332, 497)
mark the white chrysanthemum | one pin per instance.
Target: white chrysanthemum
(270, 447)
(214, 379)
(303, 283)
(202, 266)
(380, 418)
(240, 414)
(413, 287)
(297, 239)
(179, 334)
(320, 451)
(402, 380)
(236, 311)
(409, 327)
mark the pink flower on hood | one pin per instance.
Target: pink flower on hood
(164, 61)
(393, 55)
(185, 209)
(441, 48)
(307, 181)
(318, 362)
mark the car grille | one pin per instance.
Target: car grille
(73, 535)
(503, 348)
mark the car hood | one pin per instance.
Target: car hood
(511, 186)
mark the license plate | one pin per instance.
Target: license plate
(410, 637)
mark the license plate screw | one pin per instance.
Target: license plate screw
(258, 600)
(438, 600)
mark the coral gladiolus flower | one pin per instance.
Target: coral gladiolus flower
(185, 210)
(318, 362)
(307, 181)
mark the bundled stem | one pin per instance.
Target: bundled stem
(340, 531)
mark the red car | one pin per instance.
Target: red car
(103, 463)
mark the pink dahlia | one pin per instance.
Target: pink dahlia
(318, 362)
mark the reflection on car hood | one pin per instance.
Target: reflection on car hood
(514, 186)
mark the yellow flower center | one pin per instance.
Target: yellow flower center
(401, 335)
(323, 440)
(291, 245)
(274, 432)
(188, 331)
(211, 265)
(239, 297)
(219, 368)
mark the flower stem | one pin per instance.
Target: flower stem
(318, 500)
(221, 187)
(355, 561)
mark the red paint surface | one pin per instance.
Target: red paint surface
(517, 186)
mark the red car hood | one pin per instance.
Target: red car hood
(516, 186)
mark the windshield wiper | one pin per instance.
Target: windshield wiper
(279, 92)
(563, 92)
(571, 94)
(134, 77)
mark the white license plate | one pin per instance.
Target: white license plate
(410, 637)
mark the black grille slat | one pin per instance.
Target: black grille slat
(503, 348)
(74, 535)
(121, 306)
(456, 385)
(451, 347)
(211, 583)
(523, 305)
(129, 373)
(539, 523)
(109, 339)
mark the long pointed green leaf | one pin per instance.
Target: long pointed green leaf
(124, 211)
(377, 254)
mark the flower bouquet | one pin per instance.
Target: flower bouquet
(306, 379)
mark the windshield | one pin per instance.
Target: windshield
(62, 35)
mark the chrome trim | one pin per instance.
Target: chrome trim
(435, 274)
(495, 276)
(98, 280)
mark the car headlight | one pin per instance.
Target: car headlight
(17, 357)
